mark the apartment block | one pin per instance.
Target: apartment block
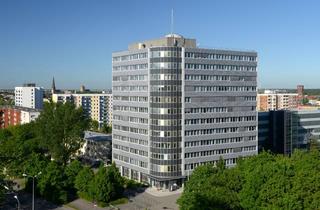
(29, 96)
(97, 106)
(283, 131)
(177, 106)
(273, 100)
(15, 115)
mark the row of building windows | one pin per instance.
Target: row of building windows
(164, 99)
(131, 98)
(162, 54)
(133, 161)
(166, 145)
(131, 119)
(130, 150)
(218, 78)
(166, 156)
(165, 65)
(131, 129)
(192, 166)
(202, 110)
(165, 111)
(136, 88)
(208, 153)
(130, 109)
(165, 168)
(130, 139)
(213, 56)
(165, 77)
(208, 110)
(156, 133)
(225, 88)
(220, 120)
(165, 88)
(140, 77)
(219, 152)
(219, 130)
(219, 141)
(207, 77)
(166, 122)
(220, 67)
(130, 57)
(130, 67)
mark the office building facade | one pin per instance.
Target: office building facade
(177, 106)
(29, 96)
(283, 131)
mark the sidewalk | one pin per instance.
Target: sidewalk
(162, 193)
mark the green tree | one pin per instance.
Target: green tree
(94, 125)
(61, 129)
(265, 181)
(107, 185)
(212, 187)
(305, 101)
(5, 101)
(35, 163)
(52, 183)
(18, 143)
(106, 128)
(82, 181)
(71, 171)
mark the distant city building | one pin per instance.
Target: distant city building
(15, 115)
(29, 96)
(285, 130)
(273, 100)
(82, 89)
(97, 106)
(300, 91)
(177, 106)
(97, 146)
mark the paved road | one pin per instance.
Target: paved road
(25, 200)
(139, 201)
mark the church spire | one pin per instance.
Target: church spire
(53, 87)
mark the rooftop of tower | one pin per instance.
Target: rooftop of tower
(169, 40)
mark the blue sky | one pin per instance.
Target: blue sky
(72, 40)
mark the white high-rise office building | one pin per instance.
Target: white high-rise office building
(177, 106)
(29, 96)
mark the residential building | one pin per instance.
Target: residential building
(273, 100)
(97, 146)
(15, 115)
(300, 91)
(177, 106)
(97, 106)
(29, 96)
(283, 131)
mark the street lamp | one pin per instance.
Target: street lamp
(16, 197)
(33, 177)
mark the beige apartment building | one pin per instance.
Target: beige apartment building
(273, 100)
(97, 106)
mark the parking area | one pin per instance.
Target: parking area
(149, 198)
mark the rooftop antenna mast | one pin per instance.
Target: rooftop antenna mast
(172, 22)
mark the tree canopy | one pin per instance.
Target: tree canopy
(265, 181)
(103, 187)
(61, 129)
